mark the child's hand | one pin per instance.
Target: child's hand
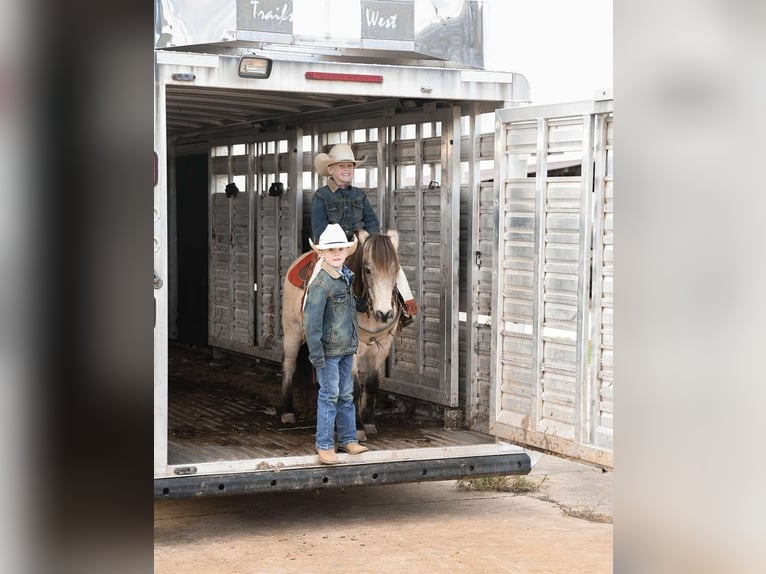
(317, 363)
(411, 307)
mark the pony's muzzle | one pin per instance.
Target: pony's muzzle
(384, 316)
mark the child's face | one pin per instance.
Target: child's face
(335, 256)
(342, 172)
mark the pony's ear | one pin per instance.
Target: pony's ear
(394, 235)
(362, 234)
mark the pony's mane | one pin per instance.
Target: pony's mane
(378, 251)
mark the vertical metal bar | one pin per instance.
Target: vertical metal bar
(450, 216)
(418, 191)
(258, 234)
(314, 151)
(231, 208)
(386, 198)
(391, 173)
(160, 233)
(584, 262)
(498, 250)
(251, 243)
(599, 189)
(276, 241)
(472, 269)
(295, 184)
(538, 313)
(382, 176)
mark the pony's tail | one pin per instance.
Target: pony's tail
(304, 378)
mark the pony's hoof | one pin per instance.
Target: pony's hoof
(361, 436)
(288, 418)
(370, 429)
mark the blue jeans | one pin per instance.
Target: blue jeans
(336, 402)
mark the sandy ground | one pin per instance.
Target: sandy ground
(564, 527)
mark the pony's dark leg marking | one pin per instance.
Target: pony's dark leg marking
(357, 408)
(367, 403)
(289, 361)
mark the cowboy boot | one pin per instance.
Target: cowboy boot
(327, 456)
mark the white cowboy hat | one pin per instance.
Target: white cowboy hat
(333, 237)
(339, 153)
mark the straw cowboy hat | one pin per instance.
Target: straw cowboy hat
(333, 237)
(339, 153)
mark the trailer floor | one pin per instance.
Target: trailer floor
(224, 407)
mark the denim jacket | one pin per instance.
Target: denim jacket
(329, 315)
(349, 207)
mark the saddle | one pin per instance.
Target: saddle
(303, 269)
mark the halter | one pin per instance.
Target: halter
(387, 327)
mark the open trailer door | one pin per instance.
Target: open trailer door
(552, 349)
(160, 258)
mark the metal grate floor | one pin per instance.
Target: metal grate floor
(222, 409)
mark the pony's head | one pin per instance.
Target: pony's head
(376, 266)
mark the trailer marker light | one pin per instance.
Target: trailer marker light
(337, 77)
(254, 67)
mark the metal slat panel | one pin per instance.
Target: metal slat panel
(545, 282)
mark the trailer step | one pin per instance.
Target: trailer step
(343, 475)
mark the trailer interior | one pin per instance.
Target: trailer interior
(223, 368)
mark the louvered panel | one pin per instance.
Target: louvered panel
(241, 333)
(220, 309)
(550, 396)
(604, 427)
(268, 265)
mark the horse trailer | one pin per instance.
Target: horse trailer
(504, 214)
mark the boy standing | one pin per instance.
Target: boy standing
(330, 326)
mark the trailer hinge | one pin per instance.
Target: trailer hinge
(184, 470)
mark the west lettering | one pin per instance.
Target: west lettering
(374, 19)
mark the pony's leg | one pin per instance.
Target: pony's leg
(376, 365)
(367, 403)
(358, 392)
(367, 387)
(291, 346)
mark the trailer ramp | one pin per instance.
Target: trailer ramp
(225, 437)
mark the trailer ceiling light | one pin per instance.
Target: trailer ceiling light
(337, 77)
(254, 67)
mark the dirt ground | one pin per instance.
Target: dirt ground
(564, 527)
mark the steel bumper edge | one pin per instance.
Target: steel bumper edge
(342, 475)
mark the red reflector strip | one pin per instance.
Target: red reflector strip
(369, 78)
